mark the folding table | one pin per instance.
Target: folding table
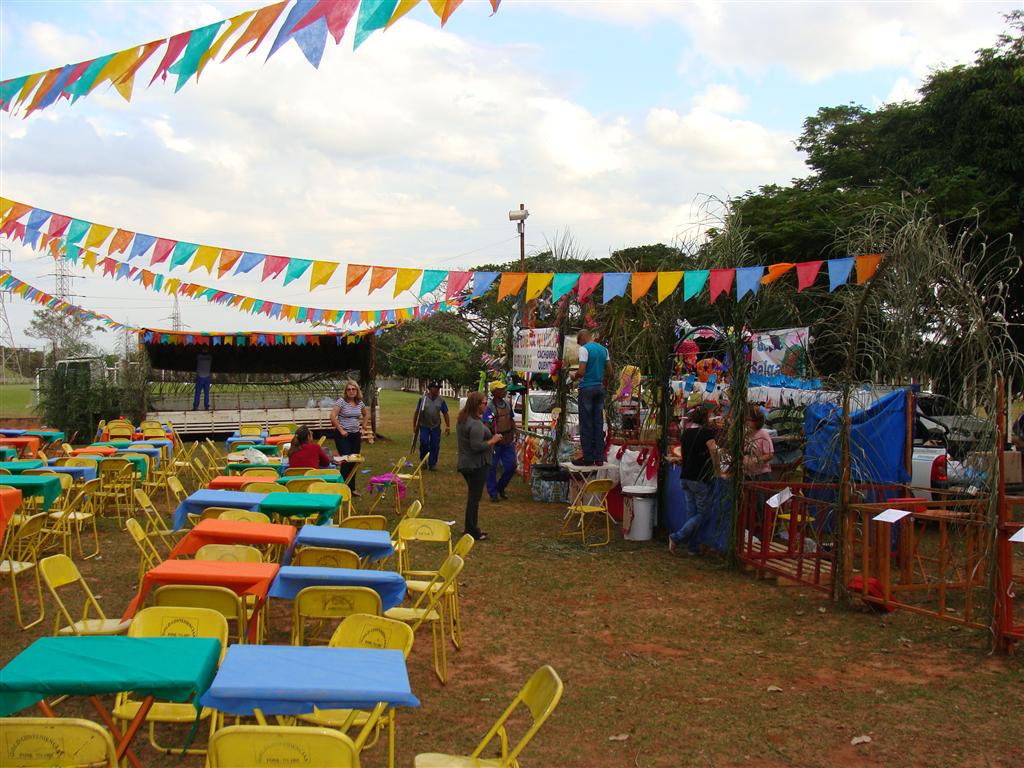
(20, 465)
(95, 450)
(80, 474)
(26, 445)
(232, 532)
(374, 545)
(5, 432)
(7, 453)
(236, 467)
(292, 579)
(236, 482)
(10, 500)
(284, 504)
(241, 578)
(47, 488)
(165, 668)
(205, 497)
(279, 439)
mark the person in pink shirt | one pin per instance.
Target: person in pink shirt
(759, 450)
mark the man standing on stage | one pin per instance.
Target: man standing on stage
(427, 419)
(204, 365)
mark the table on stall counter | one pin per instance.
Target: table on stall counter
(292, 579)
(374, 545)
(10, 500)
(305, 505)
(46, 487)
(205, 497)
(241, 578)
(164, 668)
(233, 532)
(27, 445)
(20, 465)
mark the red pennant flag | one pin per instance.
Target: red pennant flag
(807, 273)
(161, 250)
(588, 284)
(336, 12)
(721, 281)
(457, 282)
(58, 224)
(273, 266)
(109, 267)
(175, 45)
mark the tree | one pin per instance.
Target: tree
(68, 336)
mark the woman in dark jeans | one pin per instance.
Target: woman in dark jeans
(349, 417)
(475, 449)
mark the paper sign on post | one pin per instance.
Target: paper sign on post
(892, 515)
(780, 498)
(1018, 537)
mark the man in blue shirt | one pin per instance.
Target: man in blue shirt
(427, 419)
(591, 375)
(204, 364)
(500, 418)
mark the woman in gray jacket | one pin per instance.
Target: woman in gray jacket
(475, 448)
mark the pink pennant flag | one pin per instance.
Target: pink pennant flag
(161, 250)
(336, 12)
(175, 46)
(273, 266)
(588, 284)
(58, 224)
(457, 282)
(807, 273)
(109, 267)
(721, 282)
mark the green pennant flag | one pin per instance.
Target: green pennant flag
(199, 42)
(693, 282)
(182, 253)
(562, 283)
(432, 278)
(296, 268)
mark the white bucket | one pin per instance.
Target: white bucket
(638, 502)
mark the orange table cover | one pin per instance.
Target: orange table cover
(28, 445)
(241, 578)
(232, 532)
(278, 440)
(95, 450)
(235, 482)
(10, 500)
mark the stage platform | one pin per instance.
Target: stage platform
(223, 421)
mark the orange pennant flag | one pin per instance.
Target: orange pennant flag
(354, 275)
(510, 284)
(258, 28)
(867, 265)
(775, 271)
(227, 261)
(234, 24)
(205, 256)
(120, 241)
(406, 279)
(322, 272)
(641, 284)
(667, 284)
(44, 87)
(379, 277)
(15, 212)
(97, 236)
(447, 8)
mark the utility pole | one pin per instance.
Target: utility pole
(176, 315)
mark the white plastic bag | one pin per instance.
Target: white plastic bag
(252, 456)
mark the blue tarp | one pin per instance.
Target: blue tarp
(877, 441)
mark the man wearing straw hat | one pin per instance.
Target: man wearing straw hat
(499, 416)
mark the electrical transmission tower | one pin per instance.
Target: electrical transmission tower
(176, 316)
(8, 353)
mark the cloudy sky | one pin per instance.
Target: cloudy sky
(614, 120)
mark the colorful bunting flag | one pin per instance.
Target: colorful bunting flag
(457, 282)
(563, 283)
(182, 253)
(536, 282)
(748, 280)
(205, 258)
(588, 284)
(379, 277)
(867, 265)
(296, 269)
(839, 272)
(432, 279)
(642, 282)
(354, 275)
(373, 15)
(482, 281)
(806, 274)
(667, 284)
(510, 284)
(227, 260)
(615, 284)
(405, 279)
(273, 266)
(322, 273)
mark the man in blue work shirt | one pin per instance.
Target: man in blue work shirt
(427, 419)
(502, 422)
(204, 365)
(591, 375)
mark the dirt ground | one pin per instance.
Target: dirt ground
(667, 661)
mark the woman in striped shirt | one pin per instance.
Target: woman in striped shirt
(349, 416)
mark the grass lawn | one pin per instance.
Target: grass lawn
(16, 400)
(677, 658)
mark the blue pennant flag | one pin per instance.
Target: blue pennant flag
(748, 280)
(615, 284)
(839, 272)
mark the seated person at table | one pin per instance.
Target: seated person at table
(304, 452)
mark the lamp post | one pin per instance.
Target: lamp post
(520, 217)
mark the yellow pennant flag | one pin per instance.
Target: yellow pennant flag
(536, 282)
(641, 284)
(322, 272)
(667, 284)
(171, 286)
(510, 284)
(5, 206)
(234, 23)
(205, 256)
(379, 277)
(404, 6)
(89, 260)
(26, 89)
(247, 304)
(406, 279)
(97, 236)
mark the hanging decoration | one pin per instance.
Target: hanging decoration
(186, 54)
(21, 289)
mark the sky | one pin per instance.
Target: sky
(619, 122)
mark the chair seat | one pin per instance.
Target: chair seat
(586, 508)
(161, 712)
(335, 718)
(96, 627)
(437, 760)
(415, 585)
(15, 566)
(411, 614)
(77, 516)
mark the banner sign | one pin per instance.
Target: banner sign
(536, 350)
(780, 353)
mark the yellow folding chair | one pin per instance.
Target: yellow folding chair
(257, 486)
(591, 501)
(325, 603)
(256, 746)
(259, 472)
(429, 608)
(155, 526)
(117, 484)
(254, 430)
(325, 557)
(20, 553)
(415, 586)
(79, 511)
(60, 571)
(55, 742)
(148, 556)
(333, 489)
(297, 471)
(364, 631)
(540, 696)
(220, 599)
(281, 429)
(386, 489)
(120, 432)
(416, 476)
(172, 621)
(229, 553)
(244, 516)
(365, 522)
(302, 484)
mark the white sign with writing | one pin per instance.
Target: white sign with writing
(779, 353)
(892, 515)
(780, 498)
(536, 350)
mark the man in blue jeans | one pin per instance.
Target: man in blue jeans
(502, 422)
(204, 364)
(591, 375)
(427, 419)
(700, 458)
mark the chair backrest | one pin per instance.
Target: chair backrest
(54, 742)
(112, 470)
(593, 493)
(78, 461)
(424, 529)
(119, 430)
(439, 585)
(150, 557)
(297, 471)
(156, 432)
(260, 472)
(411, 513)
(337, 602)
(180, 621)
(540, 695)
(150, 424)
(464, 545)
(219, 599)
(325, 557)
(260, 487)
(23, 540)
(365, 522)
(301, 484)
(361, 630)
(324, 471)
(250, 429)
(255, 746)
(334, 489)
(66, 447)
(177, 489)
(244, 516)
(143, 500)
(4, 471)
(229, 553)
(281, 429)
(418, 469)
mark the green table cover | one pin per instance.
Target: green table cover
(47, 486)
(169, 668)
(113, 443)
(17, 467)
(140, 462)
(46, 434)
(7, 452)
(323, 505)
(235, 468)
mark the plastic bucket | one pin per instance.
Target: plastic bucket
(638, 511)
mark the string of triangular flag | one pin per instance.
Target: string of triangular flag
(186, 54)
(247, 338)
(20, 288)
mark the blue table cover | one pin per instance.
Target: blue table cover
(168, 444)
(292, 680)
(372, 544)
(150, 451)
(292, 579)
(81, 474)
(206, 497)
(12, 432)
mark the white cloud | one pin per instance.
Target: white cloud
(902, 90)
(721, 98)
